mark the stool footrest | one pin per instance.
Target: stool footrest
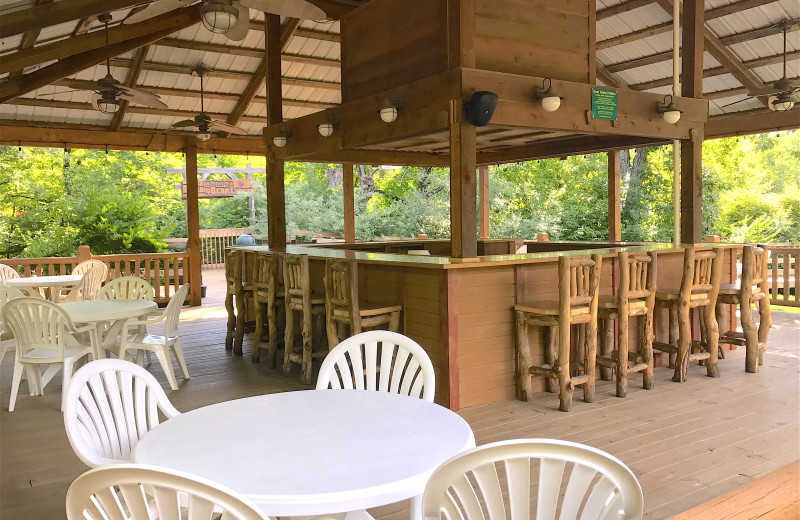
(637, 367)
(664, 347)
(579, 380)
(699, 355)
(543, 370)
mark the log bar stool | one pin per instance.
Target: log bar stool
(299, 298)
(342, 306)
(752, 288)
(702, 272)
(636, 296)
(234, 294)
(578, 289)
(267, 298)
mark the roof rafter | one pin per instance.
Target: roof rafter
(755, 34)
(41, 16)
(28, 41)
(287, 29)
(249, 52)
(130, 81)
(623, 7)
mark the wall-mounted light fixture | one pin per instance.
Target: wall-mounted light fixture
(668, 110)
(282, 138)
(326, 129)
(547, 96)
(390, 109)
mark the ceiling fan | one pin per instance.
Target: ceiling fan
(109, 92)
(202, 122)
(232, 17)
(785, 92)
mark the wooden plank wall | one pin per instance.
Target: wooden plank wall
(390, 43)
(545, 38)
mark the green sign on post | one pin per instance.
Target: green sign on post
(604, 103)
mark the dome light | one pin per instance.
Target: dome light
(547, 96)
(668, 111)
(219, 16)
(108, 105)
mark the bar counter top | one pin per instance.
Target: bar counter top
(553, 251)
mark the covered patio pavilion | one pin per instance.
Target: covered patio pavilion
(287, 77)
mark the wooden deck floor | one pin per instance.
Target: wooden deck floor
(687, 443)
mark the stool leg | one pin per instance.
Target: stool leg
(241, 315)
(394, 321)
(590, 360)
(305, 372)
(272, 323)
(549, 340)
(231, 320)
(684, 344)
(606, 345)
(648, 377)
(719, 313)
(288, 342)
(764, 324)
(712, 340)
(259, 311)
(674, 334)
(622, 353)
(523, 358)
(333, 335)
(565, 386)
(751, 337)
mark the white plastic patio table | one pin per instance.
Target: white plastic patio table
(100, 312)
(42, 282)
(317, 452)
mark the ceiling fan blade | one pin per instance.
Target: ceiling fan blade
(225, 127)
(184, 123)
(242, 25)
(156, 8)
(142, 97)
(292, 8)
(80, 84)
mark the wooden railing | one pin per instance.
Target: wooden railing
(213, 243)
(784, 272)
(166, 272)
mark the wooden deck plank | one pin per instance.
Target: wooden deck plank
(687, 443)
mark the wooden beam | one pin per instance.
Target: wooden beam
(755, 34)
(483, 197)
(614, 205)
(722, 94)
(248, 52)
(172, 21)
(257, 80)
(693, 37)
(635, 35)
(193, 224)
(28, 41)
(130, 81)
(580, 145)
(41, 16)
(348, 191)
(604, 75)
(752, 122)
(276, 183)
(622, 7)
(75, 63)
(311, 34)
(463, 187)
(735, 7)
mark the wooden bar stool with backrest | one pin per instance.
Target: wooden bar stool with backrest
(268, 296)
(343, 308)
(300, 298)
(635, 296)
(700, 283)
(753, 288)
(235, 294)
(578, 290)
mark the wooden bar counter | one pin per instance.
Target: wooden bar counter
(460, 310)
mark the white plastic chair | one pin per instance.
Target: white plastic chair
(122, 491)
(159, 345)
(127, 288)
(7, 273)
(89, 285)
(598, 486)
(84, 267)
(7, 343)
(110, 405)
(379, 360)
(44, 334)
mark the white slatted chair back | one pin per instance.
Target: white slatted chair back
(568, 481)
(7, 273)
(83, 267)
(89, 285)
(173, 311)
(122, 491)
(37, 324)
(7, 343)
(110, 405)
(379, 360)
(127, 288)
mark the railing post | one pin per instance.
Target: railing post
(84, 254)
(542, 237)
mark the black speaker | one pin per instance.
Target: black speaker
(480, 107)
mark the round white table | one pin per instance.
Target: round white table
(55, 283)
(318, 452)
(113, 312)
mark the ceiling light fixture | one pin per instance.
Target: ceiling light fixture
(390, 109)
(546, 95)
(282, 138)
(219, 16)
(668, 110)
(782, 102)
(326, 129)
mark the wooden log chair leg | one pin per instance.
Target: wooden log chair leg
(549, 347)
(622, 354)
(712, 340)
(674, 334)
(308, 348)
(648, 376)
(288, 342)
(522, 344)
(566, 388)
(231, 320)
(580, 342)
(684, 345)
(394, 321)
(701, 319)
(272, 323)
(750, 336)
(241, 316)
(590, 360)
(606, 345)
(764, 324)
(722, 323)
(259, 312)
(333, 333)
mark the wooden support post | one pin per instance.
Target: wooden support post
(483, 172)
(463, 187)
(348, 190)
(276, 193)
(614, 210)
(692, 149)
(192, 224)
